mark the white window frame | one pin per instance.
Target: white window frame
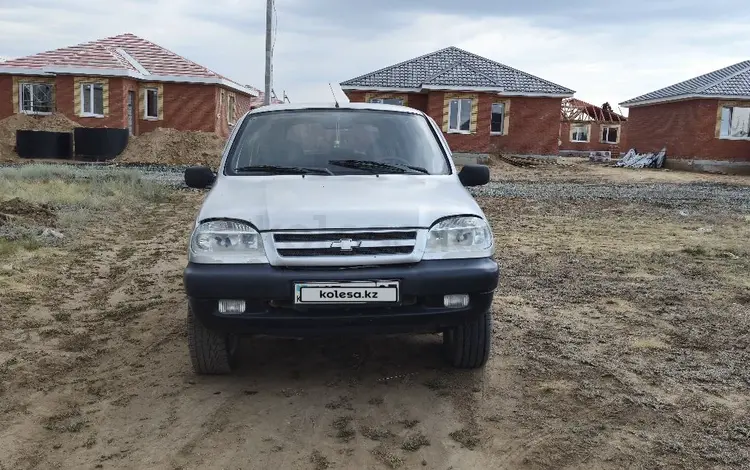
(91, 100)
(607, 128)
(458, 121)
(502, 121)
(382, 100)
(21, 87)
(586, 127)
(727, 113)
(231, 102)
(145, 104)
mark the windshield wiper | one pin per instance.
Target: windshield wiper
(284, 170)
(375, 166)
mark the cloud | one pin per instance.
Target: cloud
(606, 52)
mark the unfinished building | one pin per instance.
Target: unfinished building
(586, 128)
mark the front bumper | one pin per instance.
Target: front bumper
(269, 295)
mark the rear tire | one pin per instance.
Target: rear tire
(211, 352)
(468, 346)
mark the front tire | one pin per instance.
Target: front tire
(468, 346)
(211, 352)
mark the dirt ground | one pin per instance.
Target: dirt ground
(577, 169)
(620, 341)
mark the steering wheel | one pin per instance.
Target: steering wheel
(342, 154)
(395, 160)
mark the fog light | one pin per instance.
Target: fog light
(456, 300)
(231, 306)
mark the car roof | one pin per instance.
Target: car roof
(345, 105)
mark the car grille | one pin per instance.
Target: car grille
(345, 244)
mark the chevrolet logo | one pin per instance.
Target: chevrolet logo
(346, 244)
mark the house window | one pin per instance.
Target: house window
(230, 109)
(459, 116)
(397, 101)
(152, 103)
(610, 134)
(36, 98)
(497, 122)
(579, 133)
(92, 99)
(735, 122)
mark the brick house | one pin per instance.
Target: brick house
(482, 105)
(585, 127)
(703, 122)
(123, 82)
(258, 100)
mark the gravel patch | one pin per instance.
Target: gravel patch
(715, 195)
(682, 195)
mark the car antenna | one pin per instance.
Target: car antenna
(334, 94)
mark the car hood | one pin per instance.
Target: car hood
(293, 202)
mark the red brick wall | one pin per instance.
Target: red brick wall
(187, 107)
(534, 126)
(242, 105)
(65, 103)
(534, 123)
(6, 96)
(413, 100)
(686, 128)
(595, 137)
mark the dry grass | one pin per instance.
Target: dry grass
(375, 433)
(76, 197)
(414, 442)
(79, 188)
(387, 456)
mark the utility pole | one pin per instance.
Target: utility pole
(269, 47)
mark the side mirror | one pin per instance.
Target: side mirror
(199, 177)
(474, 175)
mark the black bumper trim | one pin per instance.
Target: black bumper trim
(263, 281)
(269, 292)
(289, 322)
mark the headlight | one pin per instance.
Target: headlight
(226, 241)
(459, 237)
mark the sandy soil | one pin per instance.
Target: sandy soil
(620, 341)
(171, 147)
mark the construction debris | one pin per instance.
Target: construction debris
(525, 162)
(600, 156)
(643, 160)
(575, 110)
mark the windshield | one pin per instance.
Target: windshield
(336, 142)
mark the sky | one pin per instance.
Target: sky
(602, 50)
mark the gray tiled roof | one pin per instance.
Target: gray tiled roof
(729, 81)
(454, 67)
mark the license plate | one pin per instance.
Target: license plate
(346, 292)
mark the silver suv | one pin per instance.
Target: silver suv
(338, 219)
